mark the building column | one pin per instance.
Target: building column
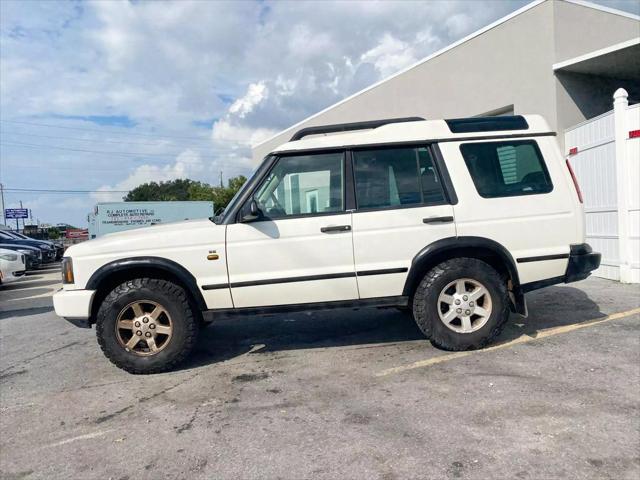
(620, 104)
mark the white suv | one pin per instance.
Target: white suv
(454, 220)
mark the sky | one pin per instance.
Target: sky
(103, 96)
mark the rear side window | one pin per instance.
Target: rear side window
(396, 177)
(507, 169)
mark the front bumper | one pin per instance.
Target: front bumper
(74, 306)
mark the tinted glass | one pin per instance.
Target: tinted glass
(487, 124)
(394, 177)
(305, 184)
(506, 169)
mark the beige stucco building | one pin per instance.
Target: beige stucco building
(562, 59)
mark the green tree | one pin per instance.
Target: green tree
(53, 233)
(185, 189)
(172, 190)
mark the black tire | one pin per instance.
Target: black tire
(174, 300)
(426, 305)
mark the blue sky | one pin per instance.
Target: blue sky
(107, 95)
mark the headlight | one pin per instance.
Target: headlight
(9, 257)
(67, 270)
(26, 252)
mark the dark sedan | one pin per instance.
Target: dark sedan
(49, 252)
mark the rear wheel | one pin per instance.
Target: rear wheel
(146, 325)
(461, 304)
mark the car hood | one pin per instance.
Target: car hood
(28, 243)
(148, 240)
(12, 246)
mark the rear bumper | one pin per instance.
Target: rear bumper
(582, 261)
(74, 306)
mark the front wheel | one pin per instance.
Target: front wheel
(146, 326)
(461, 304)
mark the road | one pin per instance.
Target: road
(338, 394)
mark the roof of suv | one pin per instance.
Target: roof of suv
(408, 130)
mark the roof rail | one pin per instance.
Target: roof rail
(346, 127)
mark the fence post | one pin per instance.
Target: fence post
(620, 104)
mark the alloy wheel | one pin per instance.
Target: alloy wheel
(464, 305)
(144, 327)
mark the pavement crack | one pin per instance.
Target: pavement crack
(30, 359)
(4, 376)
(110, 416)
(104, 418)
(187, 426)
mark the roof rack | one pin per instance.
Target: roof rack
(346, 127)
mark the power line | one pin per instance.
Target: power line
(39, 190)
(93, 140)
(100, 131)
(56, 147)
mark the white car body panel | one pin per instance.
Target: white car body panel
(73, 303)
(185, 243)
(389, 239)
(289, 248)
(12, 270)
(527, 225)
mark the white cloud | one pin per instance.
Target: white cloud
(244, 69)
(256, 93)
(187, 165)
(390, 55)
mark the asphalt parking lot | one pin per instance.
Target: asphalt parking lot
(339, 394)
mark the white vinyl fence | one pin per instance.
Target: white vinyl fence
(605, 155)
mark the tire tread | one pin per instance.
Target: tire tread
(168, 288)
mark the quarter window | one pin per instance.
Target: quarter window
(304, 184)
(396, 177)
(506, 169)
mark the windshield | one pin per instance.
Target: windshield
(239, 194)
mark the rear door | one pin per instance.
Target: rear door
(401, 207)
(300, 250)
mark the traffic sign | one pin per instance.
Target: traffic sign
(16, 213)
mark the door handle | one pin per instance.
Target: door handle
(448, 219)
(338, 228)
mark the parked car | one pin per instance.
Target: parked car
(454, 220)
(57, 245)
(48, 251)
(33, 255)
(12, 266)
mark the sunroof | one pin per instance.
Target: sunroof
(487, 124)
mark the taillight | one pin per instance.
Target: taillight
(575, 181)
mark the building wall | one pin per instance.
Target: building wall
(510, 64)
(580, 30)
(488, 72)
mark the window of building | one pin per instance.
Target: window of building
(305, 184)
(395, 177)
(505, 169)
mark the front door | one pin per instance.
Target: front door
(300, 250)
(401, 208)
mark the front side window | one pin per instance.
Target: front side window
(506, 169)
(303, 185)
(396, 177)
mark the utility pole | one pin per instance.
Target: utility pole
(4, 220)
(221, 184)
(18, 221)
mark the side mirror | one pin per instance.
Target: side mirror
(251, 211)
